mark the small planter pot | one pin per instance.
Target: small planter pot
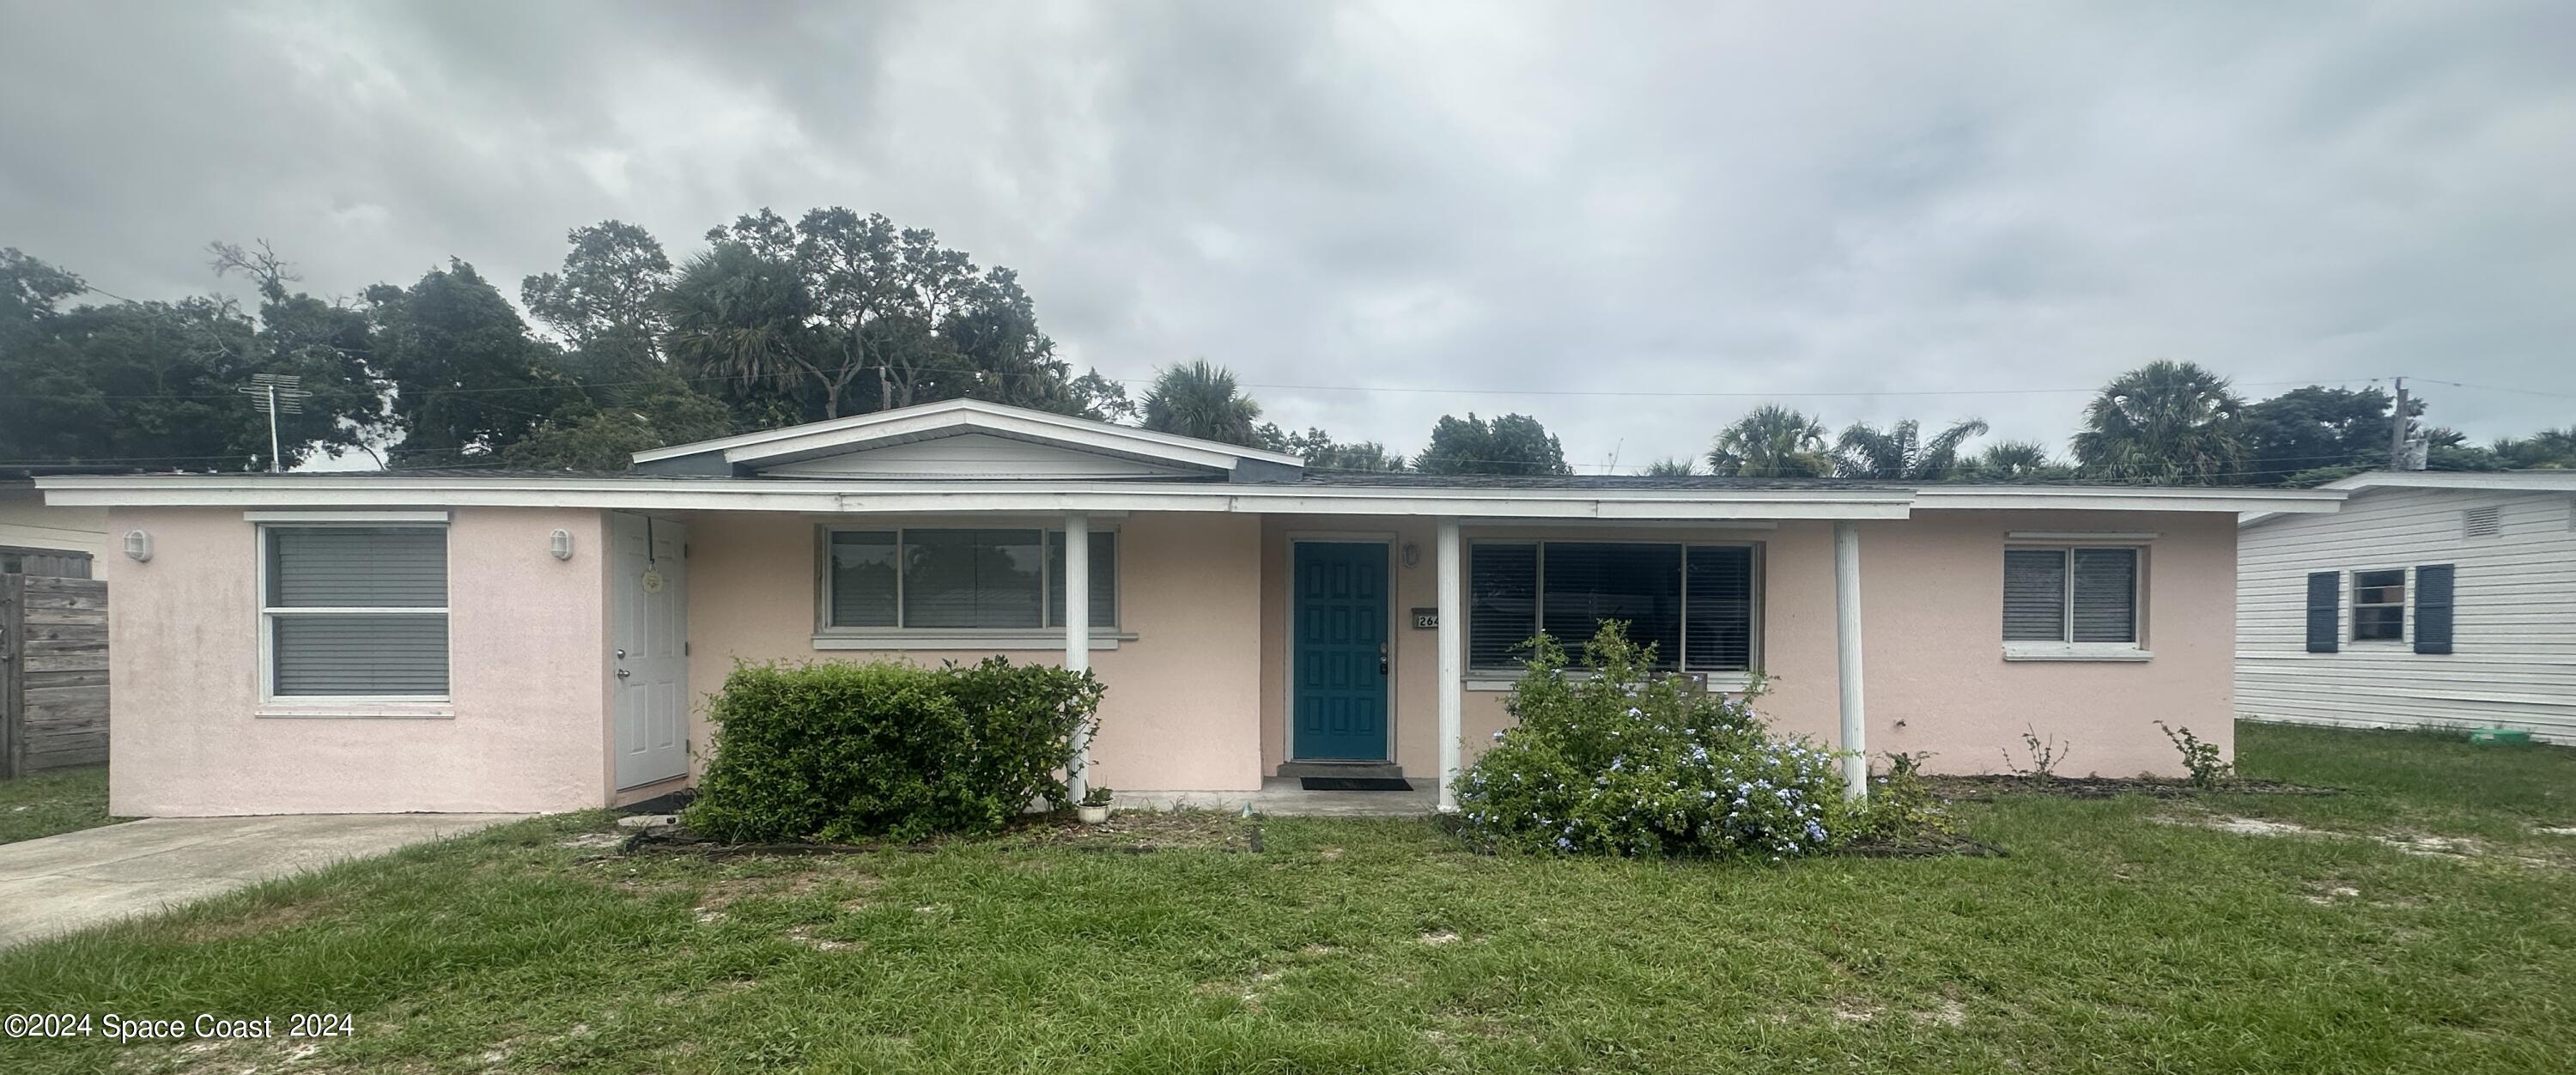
(1092, 815)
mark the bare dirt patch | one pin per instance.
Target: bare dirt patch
(1142, 831)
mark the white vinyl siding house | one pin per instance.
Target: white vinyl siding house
(2431, 600)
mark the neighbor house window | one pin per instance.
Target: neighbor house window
(1693, 603)
(2072, 595)
(2379, 605)
(991, 578)
(355, 611)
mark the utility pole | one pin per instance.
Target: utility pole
(2397, 429)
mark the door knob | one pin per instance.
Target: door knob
(1381, 658)
(622, 673)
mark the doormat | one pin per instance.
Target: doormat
(1353, 783)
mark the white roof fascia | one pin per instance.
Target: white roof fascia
(2526, 481)
(968, 415)
(2127, 498)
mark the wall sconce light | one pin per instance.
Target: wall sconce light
(561, 544)
(1412, 554)
(138, 546)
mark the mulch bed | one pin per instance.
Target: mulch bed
(1986, 789)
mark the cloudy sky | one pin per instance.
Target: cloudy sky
(1633, 221)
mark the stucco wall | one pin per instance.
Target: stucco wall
(1932, 596)
(1182, 704)
(525, 679)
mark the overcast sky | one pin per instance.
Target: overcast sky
(1703, 206)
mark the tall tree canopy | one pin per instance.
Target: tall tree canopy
(1322, 452)
(151, 384)
(2011, 460)
(1508, 444)
(467, 378)
(2165, 422)
(2317, 428)
(1772, 442)
(1200, 399)
(1899, 452)
(608, 300)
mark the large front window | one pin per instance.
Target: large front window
(355, 611)
(1694, 603)
(2071, 595)
(991, 578)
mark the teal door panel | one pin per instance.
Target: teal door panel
(1340, 615)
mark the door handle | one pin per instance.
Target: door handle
(1381, 658)
(622, 673)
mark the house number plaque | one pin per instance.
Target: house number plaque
(1426, 619)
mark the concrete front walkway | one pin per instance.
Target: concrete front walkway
(61, 883)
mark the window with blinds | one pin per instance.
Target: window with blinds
(355, 611)
(2379, 605)
(2078, 594)
(960, 578)
(1694, 603)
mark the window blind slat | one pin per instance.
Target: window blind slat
(1502, 602)
(1586, 583)
(971, 578)
(2035, 595)
(1718, 599)
(1104, 578)
(2106, 595)
(342, 654)
(863, 578)
(357, 566)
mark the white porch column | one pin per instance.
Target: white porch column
(1453, 661)
(1847, 654)
(1077, 628)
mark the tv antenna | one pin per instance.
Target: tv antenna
(270, 394)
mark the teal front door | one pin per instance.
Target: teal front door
(1340, 651)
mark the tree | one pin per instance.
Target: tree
(606, 436)
(1322, 452)
(994, 330)
(1899, 452)
(1200, 399)
(606, 304)
(468, 380)
(325, 346)
(2549, 449)
(2011, 460)
(1672, 468)
(2166, 421)
(1509, 444)
(1771, 442)
(741, 314)
(2316, 428)
(151, 384)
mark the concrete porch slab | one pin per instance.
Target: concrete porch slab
(78, 879)
(1283, 796)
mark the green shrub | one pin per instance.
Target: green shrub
(842, 752)
(2200, 757)
(1901, 805)
(1615, 759)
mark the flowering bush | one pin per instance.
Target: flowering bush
(1615, 759)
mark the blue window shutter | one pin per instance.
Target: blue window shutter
(2325, 610)
(2433, 608)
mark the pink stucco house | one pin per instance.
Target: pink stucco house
(486, 640)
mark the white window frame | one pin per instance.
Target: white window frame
(1488, 675)
(273, 704)
(2066, 648)
(827, 636)
(2405, 606)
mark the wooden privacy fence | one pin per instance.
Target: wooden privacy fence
(53, 673)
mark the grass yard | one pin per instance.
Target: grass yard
(57, 801)
(2107, 941)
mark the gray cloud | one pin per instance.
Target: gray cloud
(1569, 197)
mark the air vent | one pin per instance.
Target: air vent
(2482, 522)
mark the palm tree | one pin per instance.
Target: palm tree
(2165, 421)
(1672, 468)
(2011, 459)
(736, 314)
(1199, 399)
(1899, 452)
(1771, 442)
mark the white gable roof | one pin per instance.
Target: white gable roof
(2493, 481)
(965, 438)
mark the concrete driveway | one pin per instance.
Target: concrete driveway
(62, 883)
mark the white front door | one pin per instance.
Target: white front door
(648, 611)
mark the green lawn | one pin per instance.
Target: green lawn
(2105, 942)
(57, 801)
